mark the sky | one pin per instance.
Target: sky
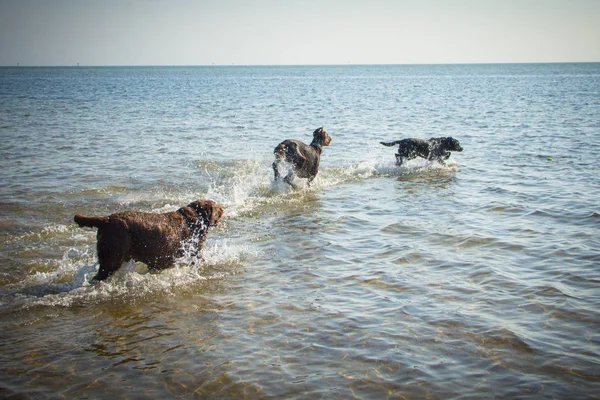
(297, 32)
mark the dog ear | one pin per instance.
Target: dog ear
(322, 136)
(216, 213)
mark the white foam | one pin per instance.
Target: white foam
(56, 228)
(416, 166)
(73, 261)
(69, 284)
(250, 184)
(249, 180)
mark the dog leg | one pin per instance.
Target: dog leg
(398, 160)
(157, 265)
(108, 265)
(101, 275)
(112, 248)
(275, 166)
(442, 157)
(289, 178)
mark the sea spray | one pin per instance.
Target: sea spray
(132, 281)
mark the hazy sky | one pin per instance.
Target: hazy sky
(199, 32)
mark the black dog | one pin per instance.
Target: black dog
(433, 149)
(304, 158)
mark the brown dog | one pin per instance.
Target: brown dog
(154, 239)
(304, 158)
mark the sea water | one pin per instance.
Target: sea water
(478, 278)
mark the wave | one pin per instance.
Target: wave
(47, 231)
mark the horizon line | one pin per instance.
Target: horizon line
(78, 65)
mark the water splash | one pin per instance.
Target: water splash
(244, 188)
(69, 284)
(245, 185)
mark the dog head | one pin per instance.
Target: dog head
(321, 137)
(211, 211)
(280, 151)
(451, 144)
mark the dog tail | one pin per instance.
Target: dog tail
(390, 144)
(90, 222)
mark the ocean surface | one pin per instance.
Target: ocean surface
(475, 279)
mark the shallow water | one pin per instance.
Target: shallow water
(474, 279)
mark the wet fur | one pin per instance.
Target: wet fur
(304, 158)
(433, 149)
(154, 239)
